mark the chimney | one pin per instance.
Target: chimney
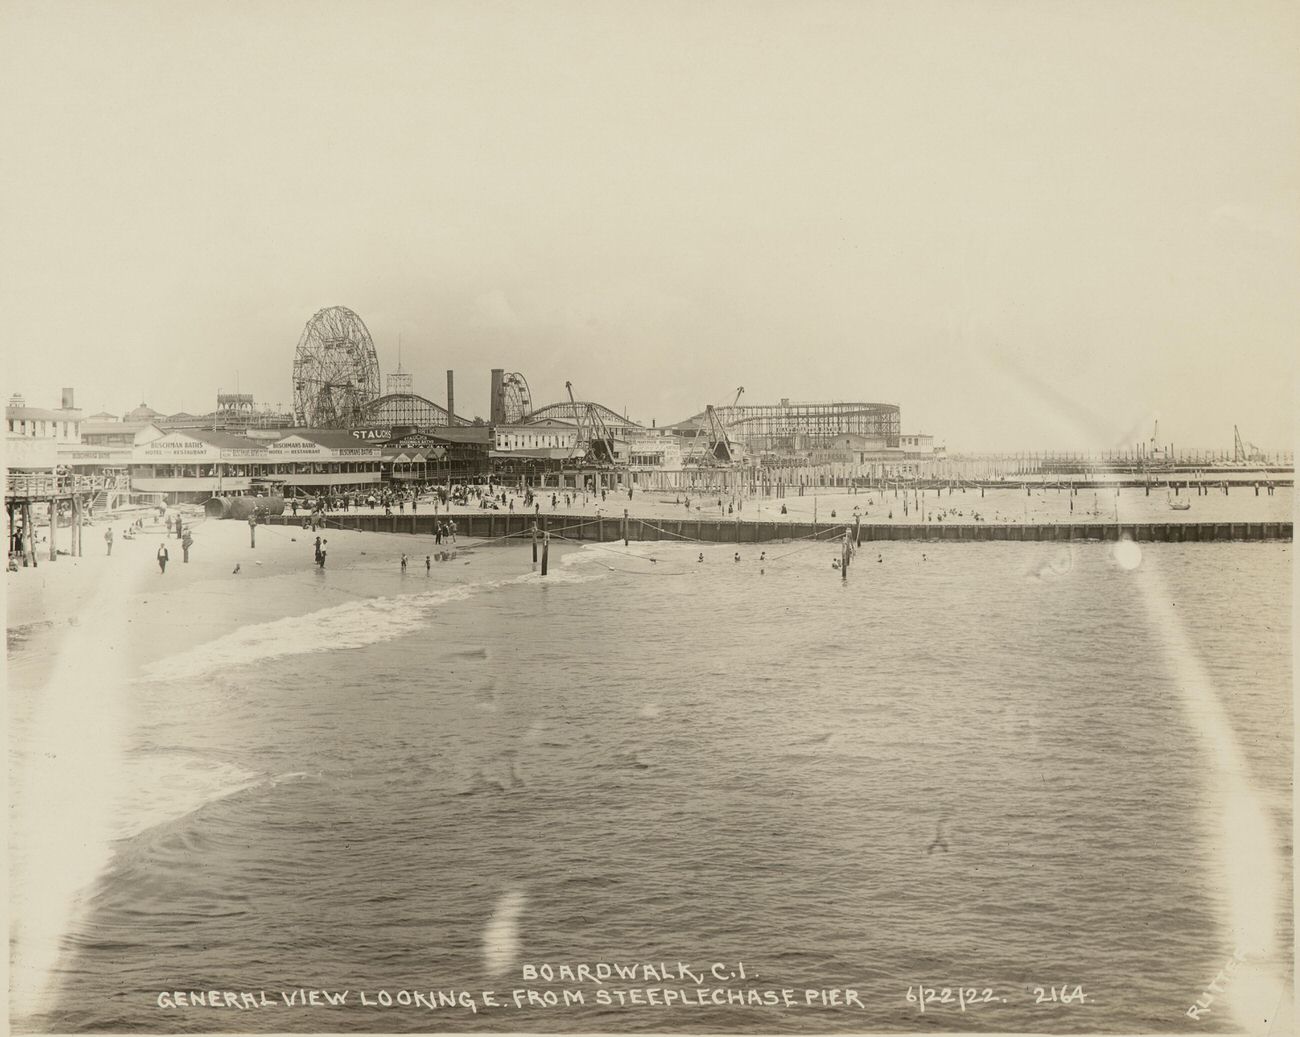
(67, 400)
(451, 398)
(498, 396)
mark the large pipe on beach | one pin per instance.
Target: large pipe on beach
(242, 507)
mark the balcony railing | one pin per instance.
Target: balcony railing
(46, 484)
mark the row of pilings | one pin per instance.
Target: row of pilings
(498, 526)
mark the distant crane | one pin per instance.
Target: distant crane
(1242, 450)
(598, 440)
(719, 449)
(1155, 452)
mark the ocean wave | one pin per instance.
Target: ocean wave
(167, 785)
(353, 624)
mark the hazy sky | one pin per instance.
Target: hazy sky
(1027, 223)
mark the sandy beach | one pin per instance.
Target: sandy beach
(1010, 505)
(48, 607)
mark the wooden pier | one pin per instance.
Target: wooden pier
(23, 490)
(493, 525)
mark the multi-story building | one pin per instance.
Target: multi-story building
(34, 435)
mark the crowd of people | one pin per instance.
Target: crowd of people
(486, 496)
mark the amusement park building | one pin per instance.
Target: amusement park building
(787, 428)
(618, 425)
(854, 456)
(192, 465)
(548, 438)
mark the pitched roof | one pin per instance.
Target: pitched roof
(333, 439)
(24, 413)
(463, 434)
(220, 440)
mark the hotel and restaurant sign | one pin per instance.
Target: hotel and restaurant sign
(294, 447)
(180, 447)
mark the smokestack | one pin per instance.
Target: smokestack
(67, 400)
(451, 398)
(498, 396)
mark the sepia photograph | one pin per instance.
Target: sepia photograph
(702, 517)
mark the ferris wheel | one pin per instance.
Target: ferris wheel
(518, 400)
(335, 370)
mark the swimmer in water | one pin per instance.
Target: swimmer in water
(701, 558)
(737, 558)
(235, 569)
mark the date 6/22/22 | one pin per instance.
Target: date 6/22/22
(968, 998)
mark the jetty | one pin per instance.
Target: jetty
(492, 525)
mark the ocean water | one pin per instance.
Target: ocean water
(982, 767)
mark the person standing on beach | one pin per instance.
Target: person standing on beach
(162, 559)
(185, 547)
(108, 539)
(428, 565)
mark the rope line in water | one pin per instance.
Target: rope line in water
(626, 554)
(813, 539)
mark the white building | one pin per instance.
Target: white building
(33, 436)
(548, 438)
